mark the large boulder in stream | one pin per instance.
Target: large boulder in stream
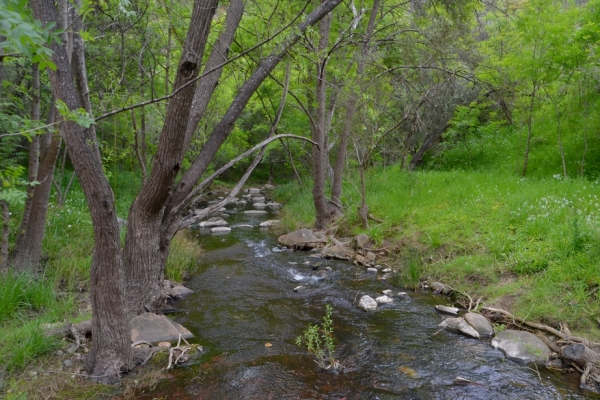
(521, 346)
(301, 239)
(213, 222)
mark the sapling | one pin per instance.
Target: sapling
(318, 340)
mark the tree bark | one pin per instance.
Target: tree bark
(145, 250)
(340, 159)
(34, 156)
(110, 353)
(319, 150)
(5, 234)
(151, 225)
(28, 250)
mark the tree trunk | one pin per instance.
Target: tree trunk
(34, 155)
(28, 250)
(111, 352)
(319, 149)
(151, 226)
(340, 159)
(5, 234)
(145, 250)
(529, 129)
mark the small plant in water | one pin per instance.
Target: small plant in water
(318, 340)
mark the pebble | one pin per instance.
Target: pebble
(68, 363)
(372, 270)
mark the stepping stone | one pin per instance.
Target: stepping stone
(155, 328)
(180, 291)
(255, 212)
(220, 229)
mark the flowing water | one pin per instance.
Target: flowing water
(244, 299)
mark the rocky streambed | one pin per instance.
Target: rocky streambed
(255, 293)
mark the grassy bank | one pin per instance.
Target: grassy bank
(29, 303)
(530, 246)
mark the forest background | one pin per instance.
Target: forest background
(464, 133)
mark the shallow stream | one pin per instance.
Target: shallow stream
(244, 299)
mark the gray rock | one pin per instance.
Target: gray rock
(367, 303)
(180, 291)
(220, 229)
(337, 252)
(259, 205)
(259, 199)
(301, 239)
(372, 270)
(273, 204)
(521, 346)
(253, 191)
(384, 300)
(387, 292)
(255, 212)
(386, 270)
(447, 310)
(359, 242)
(370, 257)
(155, 328)
(480, 324)
(459, 325)
(437, 287)
(121, 222)
(68, 363)
(269, 223)
(213, 222)
(245, 226)
(403, 295)
(268, 186)
(298, 289)
(222, 209)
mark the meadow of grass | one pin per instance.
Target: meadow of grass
(531, 245)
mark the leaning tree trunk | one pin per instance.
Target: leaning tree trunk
(111, 352)
(147, 242)
(145, 252)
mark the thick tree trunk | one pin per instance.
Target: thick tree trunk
(152, 226)
(111, 352)
(145, 250)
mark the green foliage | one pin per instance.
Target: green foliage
(24, 34)
(318, 340)
(80, 116)
(183, 258)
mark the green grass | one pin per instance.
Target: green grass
(489, 234)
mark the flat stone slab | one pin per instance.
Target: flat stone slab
(156, 328)
(521, 346)
(255, 212)
(213, 222)
(244, 226)
(269, 223)
(220, 229)
(181, 291)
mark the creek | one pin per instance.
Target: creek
(244, 299)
